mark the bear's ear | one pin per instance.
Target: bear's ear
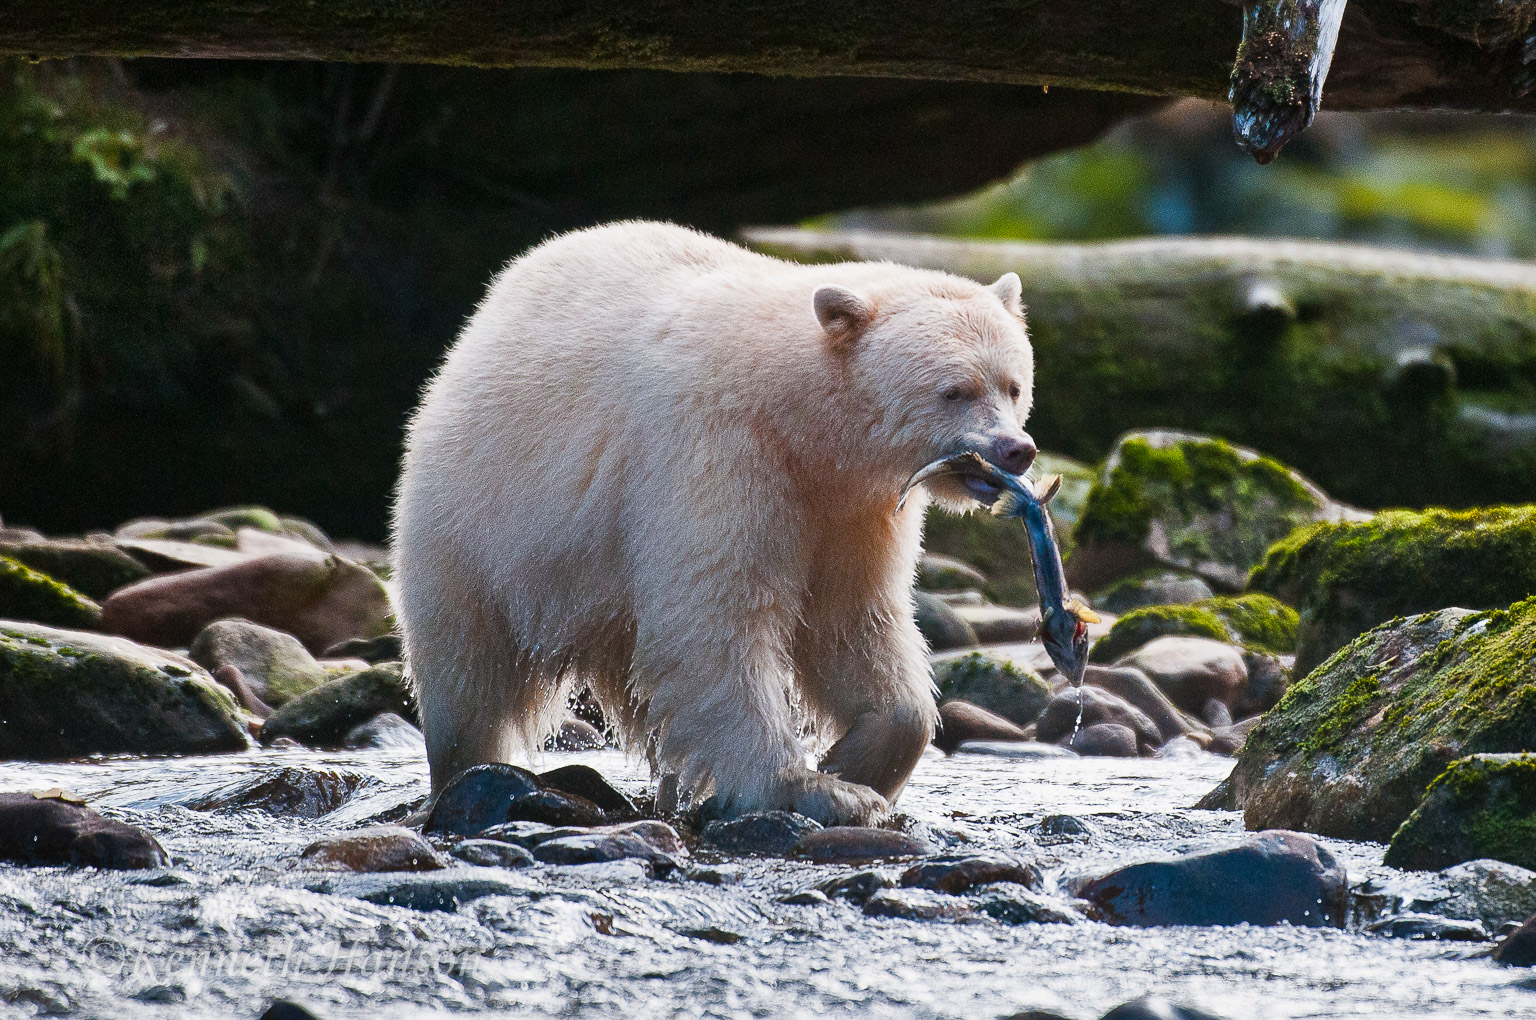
(1010, 292)
(842, 313)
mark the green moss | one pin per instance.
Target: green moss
(1481, 806)
(1256, 621)
(994, 682)
(26, 594)
(94, 569)
(258, 517)
(1343, 713)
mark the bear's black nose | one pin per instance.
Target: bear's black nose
(1014, 454)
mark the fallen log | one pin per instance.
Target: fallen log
(1391, 377)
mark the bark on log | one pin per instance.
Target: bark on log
(1391, 53)
(1391, 377)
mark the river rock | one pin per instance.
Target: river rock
(996, 682)
(386, 730)
(1029, 750)
(290, 791)
(324, 715)
(1154, 1007)
(945, 573)
(1492, 892)
(33, 597)
(1191, 670)
(586, 782)
(384, 648)
(941, 626)
(576, 735)
(275, 665)
(95, 569)
(1351, 749)
(1519, 948)
(377, 848)
(1105, 740)
(166, 555)
(436, 890)
(478, 798)
(1138, 690)
(1347, 578)
(1231, 739)
(1253, 620)
(1152, 588)
(1481, 806)
(49, 828)
(492, 853)
(916, 905)
(850, 844)
(1013, 905)
(961, 721)
(1271, 878)
(1269, 677)
(775, 833)
(320, 602)
(68, 693)
(1192, 503)
(1098, 706)
(553, 807)
(1428, 928)
(998, 624)
(858, 887)
(957, 873)
(282, 1009)
(600, 848)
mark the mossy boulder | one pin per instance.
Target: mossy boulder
(1254, 620)
(1350, 749)
(1191, 502)
(997, 548)
(276, 665)
(26, 594)
(1482, 806)
(322, 716)
(945, 573)
(1152, 588)
(1346, 577)
(995, 682)
(67, 693)
(94, 569)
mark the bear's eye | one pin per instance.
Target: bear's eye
(1014, 390)
(954, 393)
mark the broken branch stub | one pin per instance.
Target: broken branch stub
(1282, 62)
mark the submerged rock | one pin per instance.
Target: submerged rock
(1350, 750)
(436, 890)
(324, 715)
(378, 848)
(775, 833)
(600, 848)
(1154, 1007)
(1348, 577)
(961, 721)
(29, 596)
(1254, 619)
(1482, 806)
(1021, 906)
(48, 828)
(478, 798)
(1429, 928)
(492, 853)
(993, 681)
(1272, 878)
(319, 601)
(276, 665)
(846, 844)
(1105, 740)
(95, 569)
(1194, 503)
(289, 791)
(916, 905)
(957, 873)
(1492, 892)
(1192, 670)
(386, 730)
(67, 693)
(586, 782)
(857, 887)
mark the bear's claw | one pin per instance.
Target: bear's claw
(832, 801)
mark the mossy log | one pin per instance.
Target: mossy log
(1391, 53)
(1389, 377)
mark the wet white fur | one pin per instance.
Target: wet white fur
(645, 465)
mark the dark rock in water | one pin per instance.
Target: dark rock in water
(1223, 797)
(588, 783)
(1216, 714)
(994, 681)
(1138, 690)
(385, 730)
(1026, 751)
(1098, 706)
(478, 798)
(600, 848)
(384, 648)
(957, 873)
(1273, 877)
(718, 874)
(94, 569)
(916, 905)
(289, 791)
(806, 898)
(492, 853)
(325, 715)
(49, 829)
(554, 808)
(437, 890)
(528, 834)
(1192, 670)
(1105, 740)
(1428, 927)
(1482, 806)
(767, 832)
(941, 626)
(1492, 892)
(282, 1009)
(67, 693)
(1269, 677)
(1036, 1014)
(1152, 1007)
(379, 848)
(1065, 825)
(659, 834)
(275, 665)
(1021, 906)
(960, 721)
(847, 844)
(320, 601)
(1519, 947)
(857, 887)
(576, 735)
(30, 596)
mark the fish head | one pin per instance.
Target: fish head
(1064, 633)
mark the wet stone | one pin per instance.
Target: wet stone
(380, 848)
(1489, 891)
(719, 874)
(768, 832)
(588, 783)
(439, 890)
(282, 1009)
(43, 830)
(386, 730)
(956, 873)
(1021, 906)
(290, 791)
(1154, 1007)
(554, 808)
(961, 721)
(857, 887)
(1027, 751)
(528, 834)
(1518, 948)
(1105, 740)
(323, 716)
(847, 844)
(599, 848)
(478, 798)
(385, 648)
(1428, 927)
(1097, 706)
(275, 665)
(916, 905)
(806, 898)
(492, 853)
(1065, 825)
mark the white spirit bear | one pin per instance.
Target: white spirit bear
(665, 467)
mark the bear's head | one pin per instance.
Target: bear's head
(943, 367)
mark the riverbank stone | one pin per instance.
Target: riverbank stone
(276, 665)
(993, 681)
(945, 573)
(67, 693)
(1138, 690)
(1098, 706)
(601, 848)
(1481, 806)
(851, 844)
(958, 873)
(1152, 588)
(1518, 948)
(1253, 620)
(27, 595)
(478, 798)
(774, 833)
(961, 721)
(377, 848)
(1192, 670)
(93, 568)
(1105, 740)
(940, 625)
(324, 715)
(50, 828)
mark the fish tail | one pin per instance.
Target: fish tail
(1048, 488)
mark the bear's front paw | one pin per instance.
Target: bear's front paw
(831, 801)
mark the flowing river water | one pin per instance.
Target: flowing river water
(235, 923)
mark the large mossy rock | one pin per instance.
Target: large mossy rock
(67, 693)
(1255, 620)
(993, 681)
(997, 547)
(322, 716)
(276, 665)
(1483, 806)
(1346, 577)
(26, 594)
(1350, 749)
(93, 568)
(1193, 503)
